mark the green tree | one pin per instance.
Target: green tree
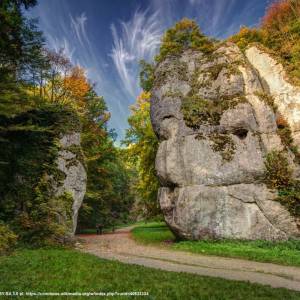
(142, 145)
(20, 56)
(184, 35)
(20, 41)
(108, 197)
(146, 75)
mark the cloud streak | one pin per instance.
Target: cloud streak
(134, 40)
(78, 24)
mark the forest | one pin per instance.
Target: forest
(42, 94)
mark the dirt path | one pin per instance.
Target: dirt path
(120, 246)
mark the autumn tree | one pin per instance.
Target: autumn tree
(75, 88)
(246, 36)
(279, 32)
(62, 82)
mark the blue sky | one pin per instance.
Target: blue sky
(109, 37)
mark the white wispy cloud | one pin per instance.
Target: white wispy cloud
(78, 24)
(63, 43)
(134, 40)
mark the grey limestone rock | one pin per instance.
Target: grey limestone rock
(212, 168)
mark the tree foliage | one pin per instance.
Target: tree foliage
(184, 35)
(42, 96)
(146, 76)
(20, 41)
(28, 153)
(108, 197)
(142, 145)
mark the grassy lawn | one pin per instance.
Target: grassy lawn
(153, 232)
(287, 253)
(58, 270)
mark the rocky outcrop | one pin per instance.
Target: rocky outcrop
(286, 96)
(70, 163)
(215, 123)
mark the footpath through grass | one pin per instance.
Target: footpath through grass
(54, 270)
(286, 252)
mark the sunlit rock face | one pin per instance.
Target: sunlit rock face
(286, 96)
(70, 163)
(215, 129)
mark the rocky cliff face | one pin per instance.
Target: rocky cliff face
(214, 115)
(70, 163)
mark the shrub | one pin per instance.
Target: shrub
(279, 176)
(290, 198)
(198, 111)
(246, 36)
(278, 172)
(7, 239)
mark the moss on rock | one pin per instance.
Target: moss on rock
(198, 111)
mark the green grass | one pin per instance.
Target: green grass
(59, 270)
(153, 232)
(285, 252)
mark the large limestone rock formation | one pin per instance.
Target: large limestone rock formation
(215, 125)
(70, 163)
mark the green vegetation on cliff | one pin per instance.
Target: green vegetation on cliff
(184, 35)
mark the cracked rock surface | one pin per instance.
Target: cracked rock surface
(75, 176)
(210, 161)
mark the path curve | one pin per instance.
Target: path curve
(120, 246)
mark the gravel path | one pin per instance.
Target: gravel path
(120, 246)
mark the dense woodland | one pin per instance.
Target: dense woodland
(42, 94)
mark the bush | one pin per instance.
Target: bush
(278, 172)
(246, 36)
(7, 239)
(280, 176)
